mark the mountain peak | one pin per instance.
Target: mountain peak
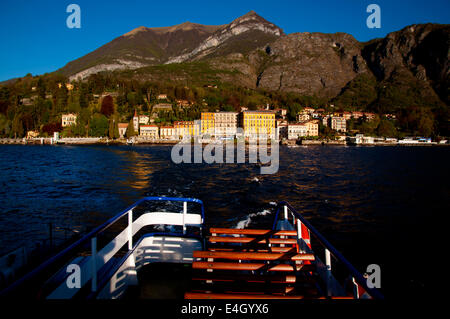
(135, 31)
(255, 21)
(250, 13)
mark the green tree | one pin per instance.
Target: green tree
(4, 125)
(98, 125)
(73, 103)
(17, 126)
(130, 129)
(113, 131)
(386, 128)
(61, 99)
(116, 127)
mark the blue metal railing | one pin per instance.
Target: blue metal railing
(374, 292)
(85, 239)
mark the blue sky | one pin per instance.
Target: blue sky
(35, 38)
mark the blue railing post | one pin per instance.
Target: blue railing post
(94, 263)
(130, 229)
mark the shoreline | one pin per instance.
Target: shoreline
(104, 141)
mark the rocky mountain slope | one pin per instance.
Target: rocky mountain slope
(410, 66)
(416, 59)
(188, 41)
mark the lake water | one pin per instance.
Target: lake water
(377, 205)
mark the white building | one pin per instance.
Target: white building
(149, 132)
(338, 124)
(122, 129)
(144, 119)
(68, 119)
(225, 124)
(297, 130)
(167, 132)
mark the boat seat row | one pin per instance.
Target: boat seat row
(253, 263)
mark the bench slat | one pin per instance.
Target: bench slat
(254, 232)
(242, 249)
(252, 255)
(268, 278)
(249, 266)
(246, 240)
(203, 295)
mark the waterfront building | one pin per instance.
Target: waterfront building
(186, 129)
(122, 129)
(308, 128)
(167, 132)
(139, 120)
(32, 134)
(225, 123)
(149, 131)
(361, 139)
(312, 127)
(258, 122)
(68, 119)
(297, 130)
(207, 122)
(338, 124)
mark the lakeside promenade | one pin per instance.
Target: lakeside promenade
(146, 141)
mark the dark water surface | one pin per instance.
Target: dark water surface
(377, 205)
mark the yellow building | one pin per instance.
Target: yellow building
(186, 129)
(258, 122)
(32, 134)
(68, 86)
(312, 127)
(219, 123)
(207, 121)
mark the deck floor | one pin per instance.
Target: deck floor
(161, 281)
